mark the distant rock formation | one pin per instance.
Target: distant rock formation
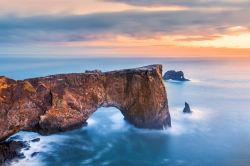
(187, 108)
(93, 71)
(175, 75)
(61, 102)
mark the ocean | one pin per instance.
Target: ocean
(217, 133)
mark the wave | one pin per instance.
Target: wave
(105, 124)
(189, 123)
(39, 147)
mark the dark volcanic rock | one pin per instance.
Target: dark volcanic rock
(10, 150)
(61, 102)
(35, 140)
(93, 71)
(34, 154)
(174, 75)
(187, 108)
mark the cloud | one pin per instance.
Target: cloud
(189, 3)
(130, 23)
(199, 38)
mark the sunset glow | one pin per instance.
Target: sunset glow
(125, 28)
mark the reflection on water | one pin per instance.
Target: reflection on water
(216, 133)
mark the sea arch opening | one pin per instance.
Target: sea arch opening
(106, 119)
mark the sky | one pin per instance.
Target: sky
(125, 28)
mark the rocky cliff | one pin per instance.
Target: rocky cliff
(61, 102)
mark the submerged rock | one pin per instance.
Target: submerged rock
(35, 140)
(61, 102)
(10, 150)
(187, 108)
(34, 154)
(175, 75)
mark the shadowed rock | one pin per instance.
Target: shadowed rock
(175, 75)
(61, 102)
(34, 154)
(187, 108)
(35, 140)
(10, 150)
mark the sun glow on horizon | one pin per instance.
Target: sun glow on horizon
(125, 28)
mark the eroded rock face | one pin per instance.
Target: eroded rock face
(62, 102)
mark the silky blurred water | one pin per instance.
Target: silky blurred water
(216, 133)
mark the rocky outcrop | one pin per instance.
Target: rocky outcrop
(61, 102)
(10, 150)
(187, 108)
(175, 75)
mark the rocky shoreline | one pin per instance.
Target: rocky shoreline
(10, 150)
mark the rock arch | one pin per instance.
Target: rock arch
(65, 101)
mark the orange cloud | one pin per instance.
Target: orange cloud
(199, 38)
(122, 29)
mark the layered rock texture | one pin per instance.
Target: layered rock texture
(61, 102)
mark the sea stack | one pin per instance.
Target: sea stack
(187, 108)
(65, 101)
(175, 75)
